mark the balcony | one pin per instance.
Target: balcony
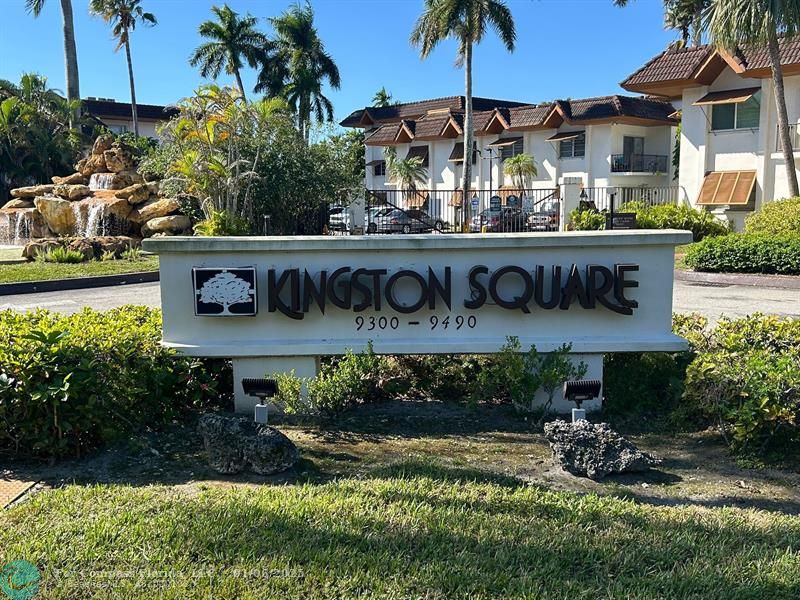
(639, 163)
(794, 135)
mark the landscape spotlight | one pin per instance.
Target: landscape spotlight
(262, 389)
(580, 391)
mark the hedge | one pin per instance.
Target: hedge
(776, 217)
(747, 253)
(69, 383)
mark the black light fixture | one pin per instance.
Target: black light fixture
(261, 388)
(579, 392)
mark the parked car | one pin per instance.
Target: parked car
(505, 219)
(544, 218)
(413, 220)
(374, 215)
(339, 219)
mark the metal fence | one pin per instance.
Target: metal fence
(639, 163)
(444, 211)
(612, 198)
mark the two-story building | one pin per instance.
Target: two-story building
(611, 141)
(730, 156)
(118, 118)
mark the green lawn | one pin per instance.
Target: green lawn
(418, 529)
(37, 271)
(10, 253)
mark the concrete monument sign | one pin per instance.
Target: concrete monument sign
(278, 303)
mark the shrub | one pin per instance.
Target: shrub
(747, 253)
(700, 222)
(61, 254)
(288, 397)
(353, 379)
(776, 217)
(637, 382)
(587, 219)
(69, 383)
(220, 222)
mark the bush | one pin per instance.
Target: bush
(344, 383)
(220, 222)
(69, 383)
(587, 219)
(776, 217)
(747, 253)
(700, 222)
(61, 254)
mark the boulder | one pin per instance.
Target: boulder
(134, 194)
(74, 179)
(87, 167)
(83, 246)
(234, 444)
(102, 143)
(18, 203)
(32, 191)
(91, 247)
(171, 224)
(33, 249)
(154, 187)
(125, 179)
(119, 158)
(71, 192)
(57, 213)
(594, 450)
(152, 209)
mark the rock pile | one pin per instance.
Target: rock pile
(234, 444)
(105, 196)
(594, 450)
(90, 247)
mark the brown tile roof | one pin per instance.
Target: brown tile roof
(383, 135)
(409, 110)
(529, 116)
(758, 58)
(609, 107)
(671, 65)
(431, 125)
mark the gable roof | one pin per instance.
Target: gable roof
(668, 73)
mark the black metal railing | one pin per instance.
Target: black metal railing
(600, 198)
(446, 211)
(639, 163)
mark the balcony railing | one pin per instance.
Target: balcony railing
(638, 163)
(794, 135)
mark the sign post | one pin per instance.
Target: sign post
(275, 304)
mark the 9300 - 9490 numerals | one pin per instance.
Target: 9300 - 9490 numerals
(457, 322)
(434, 322)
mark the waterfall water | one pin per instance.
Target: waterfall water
(15, 228)
(101, 181)
(91, 221)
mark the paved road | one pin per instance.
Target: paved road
(713, 300)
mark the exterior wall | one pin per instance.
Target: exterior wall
(146, 128)
(703, 150)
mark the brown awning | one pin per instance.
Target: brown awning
(564, 135)
(456, 198)
(500, 142)
(374, 163)
(419, 152)
(457, 154)
(416, 198)
(728, 97)
(727, 187)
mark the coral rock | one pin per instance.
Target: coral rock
(172, 224)
(32, 191)
(71, 192)
(74, 179)
(134, 194)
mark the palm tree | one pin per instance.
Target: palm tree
(382, 98)
(684, 16)
(467, 22)
(520, 167)
(123, 15)
(741, 23)
(233, 39)
(408, 172)
(298, 67)
(70, 51)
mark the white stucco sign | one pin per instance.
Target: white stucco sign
(269, 302)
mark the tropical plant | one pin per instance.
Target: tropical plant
(520, 167)
(683, 16)
(741, 23)
(234, 40)
(407, 172)
(383, 98)
(123, 15)
(466, 21)
(70, 50)
(298, 67)
(36, 141)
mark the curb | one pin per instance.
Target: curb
(77, 283)
(786, 282)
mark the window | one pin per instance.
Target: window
(740, 115)
(510, 150)
(118, 129)
(572, 148)
(379, 170)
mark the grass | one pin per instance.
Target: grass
(680, 257)
(37, 271)
(10, 253)
(416, 529)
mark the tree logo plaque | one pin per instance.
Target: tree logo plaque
(225, 292)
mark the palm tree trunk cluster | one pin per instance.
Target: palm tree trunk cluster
(783, 119)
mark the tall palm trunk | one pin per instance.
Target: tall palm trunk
(468, 134)
(133, 89)
(70, 58)
(239, 83)
(783, 119)
(697, 25)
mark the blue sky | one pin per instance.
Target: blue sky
(565, 48)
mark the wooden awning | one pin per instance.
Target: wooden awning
(416, 198)
(727, 188)
(564, 135)
(457, 154)
(728, 97)
(374, 163)
(509, 141)
(419, 152)
(456, 198)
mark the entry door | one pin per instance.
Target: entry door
(632, 146)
